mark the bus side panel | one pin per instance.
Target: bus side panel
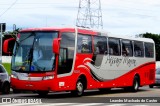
(146, 73)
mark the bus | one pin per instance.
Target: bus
(77, 59)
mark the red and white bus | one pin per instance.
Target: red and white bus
(76, 59)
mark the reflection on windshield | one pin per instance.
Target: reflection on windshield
(34, 52)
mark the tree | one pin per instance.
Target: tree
(156, 38)
(12, 32)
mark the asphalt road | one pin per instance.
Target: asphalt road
(116, 97)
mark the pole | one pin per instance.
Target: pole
(1, 44)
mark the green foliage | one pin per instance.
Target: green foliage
(7, 67)
(156, 38)
(12, 32)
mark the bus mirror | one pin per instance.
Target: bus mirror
(8, 45)
(56, 45)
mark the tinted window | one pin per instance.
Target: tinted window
(66, 55)
(149, 50)
(84, 44)
(127, 49)
(114, 46)
(100, 45)
(138, 49)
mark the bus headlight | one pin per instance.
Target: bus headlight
(48, 77)
(14, 76)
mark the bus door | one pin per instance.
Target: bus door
(65, 60)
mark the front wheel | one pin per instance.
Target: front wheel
(79, 89)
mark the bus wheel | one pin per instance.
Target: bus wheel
(79, 89)
(42, 93)
(135, 86)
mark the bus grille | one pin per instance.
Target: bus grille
(151, 74)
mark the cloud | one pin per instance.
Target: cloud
(131, 17)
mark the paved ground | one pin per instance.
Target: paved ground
(116, 97)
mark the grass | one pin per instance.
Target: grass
(7, 67)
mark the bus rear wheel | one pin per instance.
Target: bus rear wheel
(79, 89)
(136, 85)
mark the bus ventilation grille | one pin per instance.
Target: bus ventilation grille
(151, 74)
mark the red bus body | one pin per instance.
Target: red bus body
(142, 67)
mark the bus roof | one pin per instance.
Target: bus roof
(47, 29)
(86, 30)
(128, 37)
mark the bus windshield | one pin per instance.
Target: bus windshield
(33, 52)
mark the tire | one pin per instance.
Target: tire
(6, 88)
(150, 86)
(42, 93)
(79, 89)
(135, 86)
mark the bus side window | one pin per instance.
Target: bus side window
(138, 49)
(84, 44)
(110, 50)
(100, 45)
(114, 46)
(127, 48)
(149, 50)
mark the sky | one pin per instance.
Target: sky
(120, 17)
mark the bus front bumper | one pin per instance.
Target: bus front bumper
(45, 85)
